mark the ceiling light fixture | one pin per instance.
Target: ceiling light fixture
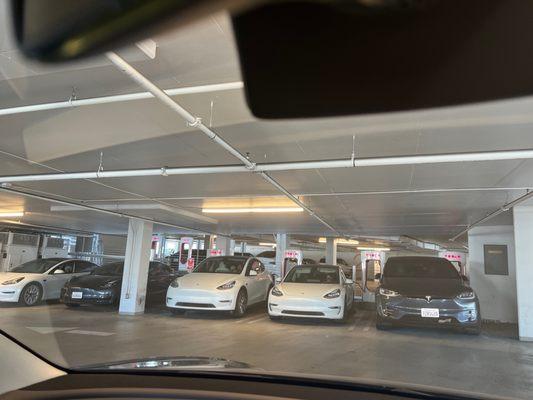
(348, 242)
(11, 214)
(267, 244)
(374, 248)
(251, 210)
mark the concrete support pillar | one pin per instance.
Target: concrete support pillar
(138, 246)
(282, 243)
(523, 236)
(226, 245)
(331, 251)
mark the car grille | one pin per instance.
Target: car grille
(311, 313)
(198, 305)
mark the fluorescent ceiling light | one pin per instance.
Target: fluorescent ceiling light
(340, 241)
(11, 214)
(251, 210)
(267, 244)
(374, 248)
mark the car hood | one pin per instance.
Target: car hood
(93, 281)
(202, 280)
(6, 276)
(307, 290)
(424, 287)
(174, 363)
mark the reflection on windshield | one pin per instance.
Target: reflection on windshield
(313, 274)
(109, 269)
(35, 266)
(221, 265)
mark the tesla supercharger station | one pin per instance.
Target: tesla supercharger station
(371, 262)
(185, 254)
(291, 258)
(458, 259)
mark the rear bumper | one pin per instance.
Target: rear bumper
(305, 308)
(406, 311)
(10, 294)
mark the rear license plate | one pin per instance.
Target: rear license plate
(76, 295)
(429, 312)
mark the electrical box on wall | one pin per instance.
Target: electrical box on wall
(19, 249)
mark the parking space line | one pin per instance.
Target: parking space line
(257, 320)
(94, 333)
(48, 329)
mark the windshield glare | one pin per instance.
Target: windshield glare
(35, 266)
(221, 265)
(313, 274)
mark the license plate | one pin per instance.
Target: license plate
(76, 295)
(429, 312)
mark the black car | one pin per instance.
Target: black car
(425, 291)
(104, 284)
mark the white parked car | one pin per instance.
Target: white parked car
(312, 291)
(228, 283)
(41, 279)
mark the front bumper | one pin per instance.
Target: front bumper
(407, 311)
(196, 299)
(305, 308)
(89, 296)
(10, 293)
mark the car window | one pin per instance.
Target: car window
(35, 266)
(267, 254)
(221, 265)
(313, 274)
(84, 266)
(420, 267)
(67, 267)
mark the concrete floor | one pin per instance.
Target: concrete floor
(495, 362)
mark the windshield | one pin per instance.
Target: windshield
(313, 274)
(221, 265)
(35, 266)
(113, 269)
(378, 244)
(420, 267)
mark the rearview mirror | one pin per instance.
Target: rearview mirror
(59, 30)
(349, 281)
(377, 276)
(59, 272)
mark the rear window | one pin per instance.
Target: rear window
(420, 267)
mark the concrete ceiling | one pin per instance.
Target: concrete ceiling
(425, 201)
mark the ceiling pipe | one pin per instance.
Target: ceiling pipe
(218, 87)
(103, 211)
(196, 122)
(280, 167)
(502, 209)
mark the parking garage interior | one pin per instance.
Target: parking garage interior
(96, 164)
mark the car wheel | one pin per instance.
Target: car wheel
(31, 295)
(240, 304)
(72, 305)
(177, 311)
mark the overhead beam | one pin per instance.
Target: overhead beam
(500, 155)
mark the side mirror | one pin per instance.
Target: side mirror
(377, 276)
(277, 279)
(253, 272)
(349, 281)
(59, 272)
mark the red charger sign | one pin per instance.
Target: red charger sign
(190, 263)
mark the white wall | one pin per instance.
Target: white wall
(497, 293)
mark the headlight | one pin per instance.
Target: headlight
(175, 283)
(13, 281)
(388, 293)
(466, 295)
(276, 292)
(226, 286)
(334, 294)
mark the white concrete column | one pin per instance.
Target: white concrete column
(282, 243)
(138, 247)
(331, 251)
(523, 237)
(225, 244)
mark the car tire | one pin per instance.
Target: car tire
(31, 294)
(72, 305)
(177, 311)
(381, 325)
(241, 304)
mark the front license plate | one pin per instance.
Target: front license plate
(429, 312)
(76, 295)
